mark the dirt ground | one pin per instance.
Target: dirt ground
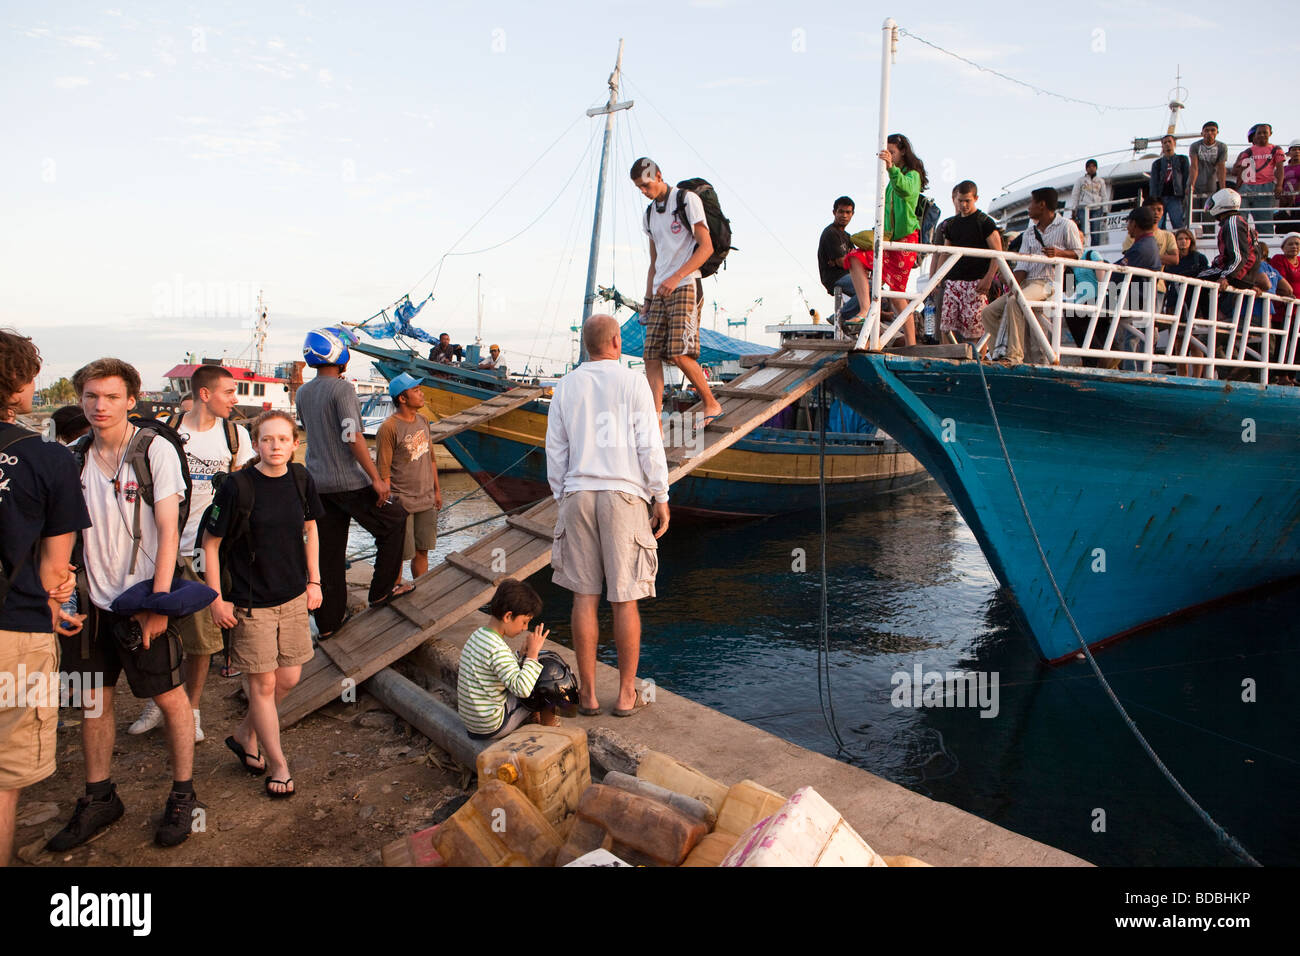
(363, 778)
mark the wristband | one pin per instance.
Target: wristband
(317, 583)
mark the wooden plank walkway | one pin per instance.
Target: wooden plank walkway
(466, 580)
(495, 407)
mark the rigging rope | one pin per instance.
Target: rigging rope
(1099, 107)
(1224, 836)
(824, 643)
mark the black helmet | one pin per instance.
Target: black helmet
(556, 686)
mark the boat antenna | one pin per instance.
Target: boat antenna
(1176, 97)
(608, 110)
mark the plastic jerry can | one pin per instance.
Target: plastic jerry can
(549, 765)
(681, 778)
(695, 809)
(711, 851)
(635, 828)
(746, 803)
(413, 850)
(904, 861)
(807, 831)
(499, 826)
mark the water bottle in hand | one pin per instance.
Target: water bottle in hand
(68, 607)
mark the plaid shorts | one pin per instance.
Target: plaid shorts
(672, 324)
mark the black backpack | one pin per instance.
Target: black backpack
(7, 578)
(719, 225)
(137, 455)
(245, 498)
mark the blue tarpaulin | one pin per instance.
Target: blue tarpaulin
(714, 346)
(389, 328)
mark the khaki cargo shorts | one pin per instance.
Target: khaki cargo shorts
(27, 733)
(269, 637)
(421, 533)
(605, 536)
(199, 633)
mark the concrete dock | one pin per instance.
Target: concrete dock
(893, 819)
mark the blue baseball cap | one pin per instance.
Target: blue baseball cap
(400, 384)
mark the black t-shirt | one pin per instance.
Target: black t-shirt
(972, 232)
(834, 243)
(277, 572)
(40, 497)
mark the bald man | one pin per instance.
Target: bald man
(606, 466)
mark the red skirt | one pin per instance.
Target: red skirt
(898, 265)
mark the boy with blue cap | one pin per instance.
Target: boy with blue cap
(404, 457)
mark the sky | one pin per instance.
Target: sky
(165, 162)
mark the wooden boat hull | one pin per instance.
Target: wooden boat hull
(771, 471)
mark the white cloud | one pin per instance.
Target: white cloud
(71, 82)
(325, 77)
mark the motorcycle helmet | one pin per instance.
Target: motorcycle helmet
(556, 687)
(1225, 200)
(326, 347)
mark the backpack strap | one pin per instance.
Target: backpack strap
(232, 441)
(681, 208)
(174, 419)
(137, 456)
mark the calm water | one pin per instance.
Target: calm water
(736, 629)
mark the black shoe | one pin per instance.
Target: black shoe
(178, 819)
(88, 818)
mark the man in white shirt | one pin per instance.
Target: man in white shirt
(146, 645)
(1091, 192)
(1048, 234)
(213, 444)
(672, 288)
(605, 464)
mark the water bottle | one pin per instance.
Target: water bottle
(931, 326)
(68, 607)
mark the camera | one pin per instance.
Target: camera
(129, 635)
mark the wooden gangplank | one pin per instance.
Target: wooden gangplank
(466, 579)
(494, 407)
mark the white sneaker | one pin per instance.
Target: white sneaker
(198, 731)
(149, 718)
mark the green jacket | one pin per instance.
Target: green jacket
(900, 203)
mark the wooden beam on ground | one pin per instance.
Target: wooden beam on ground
(469, 566)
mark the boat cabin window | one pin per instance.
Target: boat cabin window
(259, 389)
(242, 388)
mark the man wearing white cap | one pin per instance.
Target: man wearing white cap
(404, 458)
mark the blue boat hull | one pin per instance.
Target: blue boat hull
(1150, 495)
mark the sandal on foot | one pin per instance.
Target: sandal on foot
(628, 712)
(279, 794)
(244, 757)
(590, 711)
(396, 592)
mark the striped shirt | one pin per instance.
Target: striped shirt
(488, 671)
(1060, 232)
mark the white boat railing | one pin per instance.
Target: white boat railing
(1205, 329)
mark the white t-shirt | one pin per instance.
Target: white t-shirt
(207, 454)
(674, 243)
(108, 541)
(602, 434)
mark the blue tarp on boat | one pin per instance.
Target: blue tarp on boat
(714, 346)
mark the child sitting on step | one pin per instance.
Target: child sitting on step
(492, 683)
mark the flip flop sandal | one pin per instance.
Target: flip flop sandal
(396, 592)
(279, 794)
(590, 711)
(244, 757)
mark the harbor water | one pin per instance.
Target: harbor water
(736, 626)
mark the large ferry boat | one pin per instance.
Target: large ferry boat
(1145, 470)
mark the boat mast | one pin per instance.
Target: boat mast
(889, 46)
(263, 328)
(478, 332)
(608, 110)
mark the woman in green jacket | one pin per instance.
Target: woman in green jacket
(906, 181)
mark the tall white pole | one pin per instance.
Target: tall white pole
(889, 42)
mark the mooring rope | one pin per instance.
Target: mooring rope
(824, 643)
(1224, 836)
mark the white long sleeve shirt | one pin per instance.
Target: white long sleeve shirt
(602, 434)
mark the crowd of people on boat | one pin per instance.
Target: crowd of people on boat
(973, 300)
